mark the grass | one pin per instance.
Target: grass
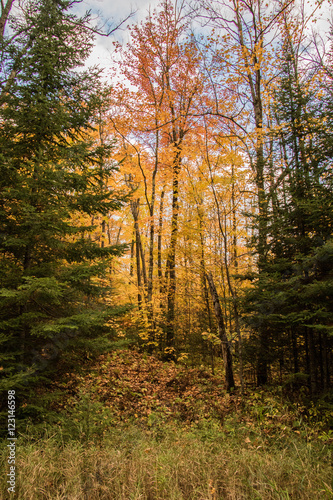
(201, 462)
(134, 428)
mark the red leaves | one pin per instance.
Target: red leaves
(134, 385)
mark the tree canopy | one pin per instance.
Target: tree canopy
(194, 191)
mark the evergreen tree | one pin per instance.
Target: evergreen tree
(53, 179)
(293, 295)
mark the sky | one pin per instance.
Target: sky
(112, 12)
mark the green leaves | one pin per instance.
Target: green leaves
(54, 178)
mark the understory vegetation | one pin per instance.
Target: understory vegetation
(166, 251)
(205, 462)
(130, 426)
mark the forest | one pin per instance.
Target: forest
(166, 251)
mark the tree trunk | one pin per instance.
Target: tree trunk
(159, 247)
(312, 362)
(295, 350)
(227, 358)
(132, 256)
(5, 10)
(171, 262)
(139, 252)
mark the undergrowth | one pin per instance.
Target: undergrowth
(136, 428)
(203, 461)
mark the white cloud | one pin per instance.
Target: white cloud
(110, 14)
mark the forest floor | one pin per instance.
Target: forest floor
(130, 426)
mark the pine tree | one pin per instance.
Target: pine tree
(293, 294)
(54, 178)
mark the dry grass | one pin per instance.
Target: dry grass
(134, 428)
(201, 463)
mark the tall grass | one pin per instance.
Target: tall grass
(205, 462)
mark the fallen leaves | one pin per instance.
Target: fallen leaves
(132, 385)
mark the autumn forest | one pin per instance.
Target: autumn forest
(169, 214)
